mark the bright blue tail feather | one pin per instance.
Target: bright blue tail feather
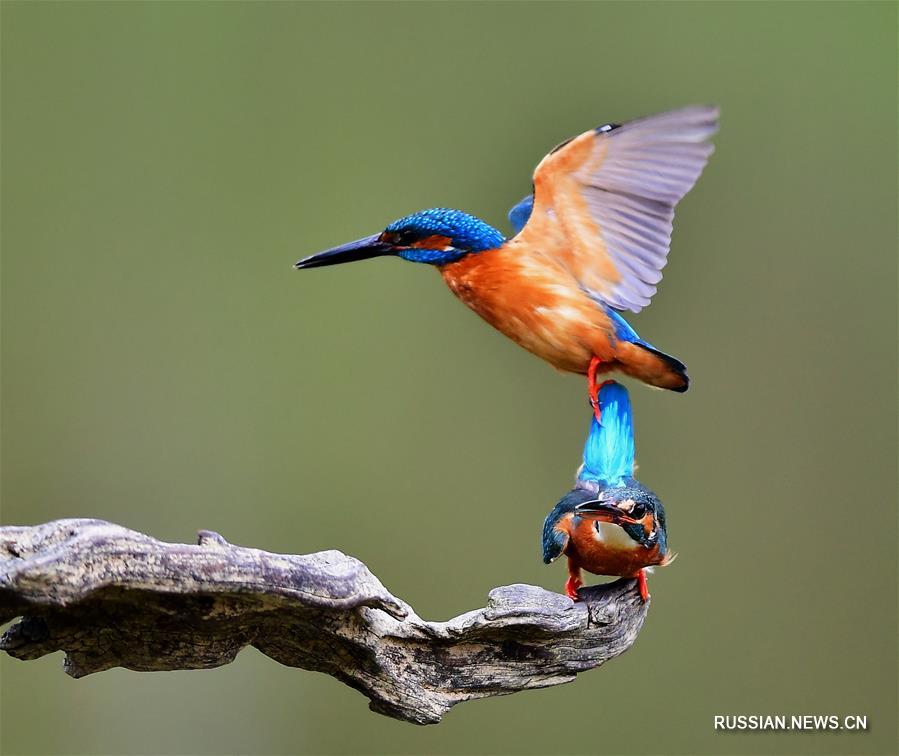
(609, 451)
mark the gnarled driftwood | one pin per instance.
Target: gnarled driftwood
(112, 597)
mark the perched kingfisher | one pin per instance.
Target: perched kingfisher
(609, 523)
(591, 242)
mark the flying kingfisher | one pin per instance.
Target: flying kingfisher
(590, 242)
(609, 523)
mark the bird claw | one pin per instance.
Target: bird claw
(571, 586)
(593, 388)
(594, 403)
(594, 400)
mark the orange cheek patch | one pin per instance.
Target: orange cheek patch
(647, 523)
(433, 242)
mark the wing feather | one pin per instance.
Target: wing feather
(607, 197)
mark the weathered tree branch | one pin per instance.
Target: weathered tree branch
(112, 597)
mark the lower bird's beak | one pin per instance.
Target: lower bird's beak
(604, 512)
(361, 249)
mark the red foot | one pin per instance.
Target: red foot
(593, 388)
(571, 586)
(641, 584)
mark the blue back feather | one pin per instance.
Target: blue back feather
(623, 330)
(609, 451)
(518, 215)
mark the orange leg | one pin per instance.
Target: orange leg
(574, 580)
(593, 387)
(641, 584)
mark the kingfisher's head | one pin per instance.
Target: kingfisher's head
(630, 509)
(438, 236)
(633, 508)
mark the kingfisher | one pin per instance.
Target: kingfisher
(590, 243)
(609, 523)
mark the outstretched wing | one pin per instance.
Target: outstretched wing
(604, 201)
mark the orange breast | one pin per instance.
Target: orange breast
(536, 303)
(606, 557)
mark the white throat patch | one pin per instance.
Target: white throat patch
(613, 536)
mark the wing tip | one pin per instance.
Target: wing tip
(707, 111)
(702, 118)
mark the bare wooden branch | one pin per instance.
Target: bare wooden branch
(112, 597)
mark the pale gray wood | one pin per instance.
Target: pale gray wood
(113, 597)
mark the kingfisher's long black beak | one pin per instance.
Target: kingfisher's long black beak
(361, 249)
(603, 511)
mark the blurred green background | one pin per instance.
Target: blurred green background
(163, 165)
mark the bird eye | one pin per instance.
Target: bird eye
(397, 238)
(405, 238)
(637, 512)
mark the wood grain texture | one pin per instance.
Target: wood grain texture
(112, 597)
